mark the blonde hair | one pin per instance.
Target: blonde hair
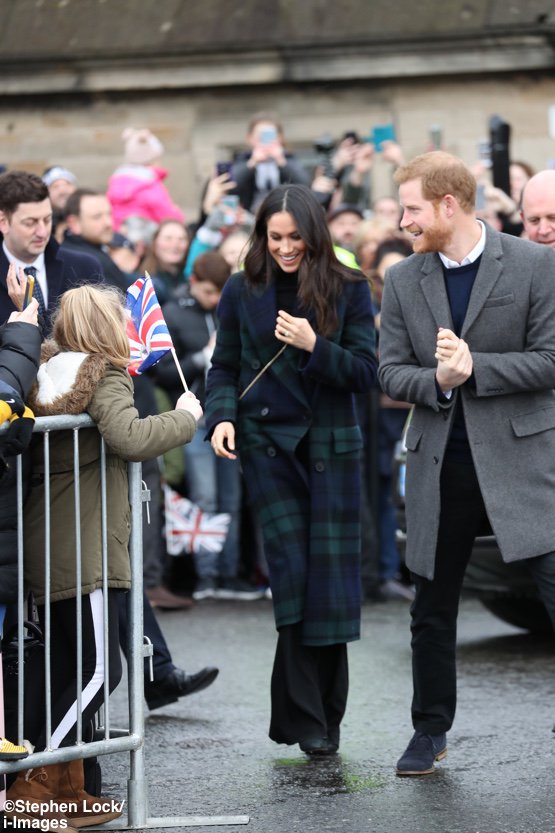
(440, 174)
(91, 319)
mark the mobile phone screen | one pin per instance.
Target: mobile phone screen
(29, 290)
(231, 201)
(230, 205)
(268, 135)
(223, 168)
(383, 133)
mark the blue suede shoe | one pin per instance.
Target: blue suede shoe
(421, 754)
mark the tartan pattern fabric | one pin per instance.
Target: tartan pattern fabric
(309, 510)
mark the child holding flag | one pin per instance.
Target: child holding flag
(84, 368)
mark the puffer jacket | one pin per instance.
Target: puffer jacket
(139, 191)
(72, 383)
(19, 361)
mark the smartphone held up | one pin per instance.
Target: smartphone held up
(223, 168)
(268, 135)
(29, 288)
(382, 133)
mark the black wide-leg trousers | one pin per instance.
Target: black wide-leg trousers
(308, 690)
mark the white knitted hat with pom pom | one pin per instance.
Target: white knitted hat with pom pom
(141, 146)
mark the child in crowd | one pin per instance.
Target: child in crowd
(136, 188)
(84, 368)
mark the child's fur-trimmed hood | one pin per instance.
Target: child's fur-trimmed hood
(66, 381)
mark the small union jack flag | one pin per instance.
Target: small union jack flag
(149, 337)
(189, 528)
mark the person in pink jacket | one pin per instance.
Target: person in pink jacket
(137, 188)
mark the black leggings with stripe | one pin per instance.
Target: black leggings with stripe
(63, 659)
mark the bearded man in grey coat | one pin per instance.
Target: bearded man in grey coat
(468, 336)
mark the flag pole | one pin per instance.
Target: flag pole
(181, 376)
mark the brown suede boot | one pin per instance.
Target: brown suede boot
(83, 809)
(33, 797)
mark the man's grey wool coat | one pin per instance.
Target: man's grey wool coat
(508, 404)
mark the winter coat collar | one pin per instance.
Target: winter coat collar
(66, 381)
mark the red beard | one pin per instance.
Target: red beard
(435, 238)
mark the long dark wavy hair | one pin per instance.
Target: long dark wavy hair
(321, 276)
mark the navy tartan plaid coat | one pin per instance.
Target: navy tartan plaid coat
(309, 510)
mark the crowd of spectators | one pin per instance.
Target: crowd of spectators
(135, 226)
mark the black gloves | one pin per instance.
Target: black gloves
(18, 436)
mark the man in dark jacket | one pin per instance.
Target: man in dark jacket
(90, 230)
(26, 226)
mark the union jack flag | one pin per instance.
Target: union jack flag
(149, 337)
(189, 528)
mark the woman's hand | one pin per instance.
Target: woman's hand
(295, 331)
(189, 402)
(223, 440)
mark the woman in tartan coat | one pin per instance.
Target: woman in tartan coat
(298, 310)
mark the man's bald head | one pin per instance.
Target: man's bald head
(538, 208)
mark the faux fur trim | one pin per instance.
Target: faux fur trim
(66, 381)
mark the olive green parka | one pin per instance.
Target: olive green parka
(74, 383)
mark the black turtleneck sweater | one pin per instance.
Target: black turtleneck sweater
(286, 291)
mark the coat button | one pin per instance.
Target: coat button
(319, 466)
(255, 364)
(436, 460)
(264, 412)
(270, 451)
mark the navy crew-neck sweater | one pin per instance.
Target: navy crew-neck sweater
(458, 283)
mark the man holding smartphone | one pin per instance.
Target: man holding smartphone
(266, 165)
(26, 228)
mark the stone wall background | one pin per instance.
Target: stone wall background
(75, 73)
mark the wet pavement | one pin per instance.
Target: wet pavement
(209, 754)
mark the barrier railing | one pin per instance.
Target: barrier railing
(134, 741)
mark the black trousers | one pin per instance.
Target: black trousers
(308, 690)
(162, 663)
(435, 608)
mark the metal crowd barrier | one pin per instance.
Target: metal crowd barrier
(134, 741)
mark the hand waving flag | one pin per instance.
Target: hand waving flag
(149, 337)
